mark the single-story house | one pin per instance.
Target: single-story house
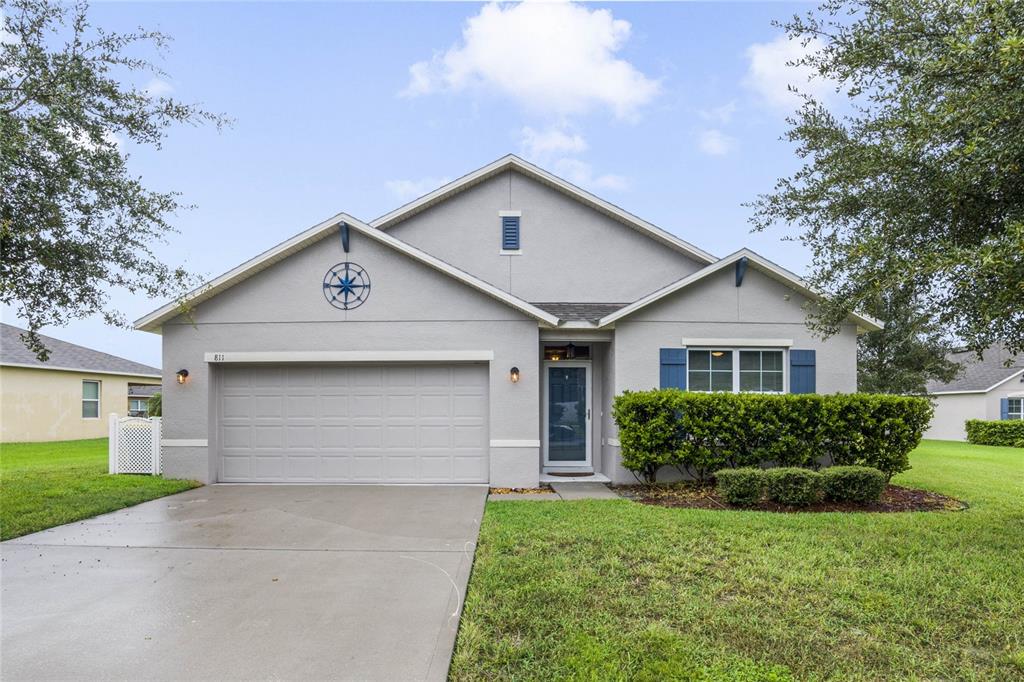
(70, 395)
(989, 388)
(475, 335)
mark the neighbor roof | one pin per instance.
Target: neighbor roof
(66, 356)
(980, 376)
(513, 162)
(756, 260)
(152, 321)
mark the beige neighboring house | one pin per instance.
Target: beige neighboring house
(992, 389)
(70, 395)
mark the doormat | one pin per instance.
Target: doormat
(569, 474)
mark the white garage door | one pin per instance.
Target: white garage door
(353, 424)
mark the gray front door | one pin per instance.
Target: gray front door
(567, 414)
(353, 424)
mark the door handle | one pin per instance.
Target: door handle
(588, 414)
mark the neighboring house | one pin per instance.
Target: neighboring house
(138, 399)
(991, 388)
(475, 335)
(67, 397)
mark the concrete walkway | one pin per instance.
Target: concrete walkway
(563, 491)
(245, 582)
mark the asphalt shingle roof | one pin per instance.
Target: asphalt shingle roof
(587, 312)
(64, 355)
(979, 375)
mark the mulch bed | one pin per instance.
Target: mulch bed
(519, 491)
(703, 496)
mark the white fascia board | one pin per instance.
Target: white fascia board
(957, 392)
(320, 231)
(771, 269)
(351, 356)
(513, 161)
(80, 370)
(738, 343)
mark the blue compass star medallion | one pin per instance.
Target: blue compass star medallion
(346, 286)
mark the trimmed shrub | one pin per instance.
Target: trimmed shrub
(792, 485)
(852, 484)
(700, 433)
(743, 486)
(1008, 432)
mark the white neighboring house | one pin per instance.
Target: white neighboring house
(986, 389)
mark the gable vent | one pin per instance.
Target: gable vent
(510, 233)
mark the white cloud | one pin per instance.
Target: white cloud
(158, 87)
(551, 57)
(540, 144)
(769, 73)
(582, 174)
(716, 143)
(722, 114)
(407, 190)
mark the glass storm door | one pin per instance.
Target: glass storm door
(567, 414)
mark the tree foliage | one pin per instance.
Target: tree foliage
(74, 221)
(909, 352)
(917, 183)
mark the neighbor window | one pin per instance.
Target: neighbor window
(1016, 410)
(754, 371)
(138, 407)
(90, 399)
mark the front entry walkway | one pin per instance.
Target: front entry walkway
(246, 582)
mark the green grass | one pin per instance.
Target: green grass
(46, 484)
(606, 590)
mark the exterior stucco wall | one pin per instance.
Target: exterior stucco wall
(411, 307)
(716, 308)
(46, 405)
(952, 410)
(568, 249)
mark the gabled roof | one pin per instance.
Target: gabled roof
(774, 271)
(580, 312)
(155, 319)
(513, 162)
(66, 356)
(980, 376)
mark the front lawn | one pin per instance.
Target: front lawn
(605, 590)
(46, 484)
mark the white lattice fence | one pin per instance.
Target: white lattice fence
(134, 445)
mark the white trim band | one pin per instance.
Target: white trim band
(184, 443)
(515, 443)
(352, 356)
(79, 370)
(750, 343)
(510, 214)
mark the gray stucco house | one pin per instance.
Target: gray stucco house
(475, 335)
(990, 388)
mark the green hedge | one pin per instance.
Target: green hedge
(852, 484)
(792, 485)
(742, 487)
(700, 433)
(1009, 432)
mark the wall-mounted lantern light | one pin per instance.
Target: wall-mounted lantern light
(513, 375)
(182, 375)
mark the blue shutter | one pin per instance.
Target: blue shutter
(673, 368)
(801, 371)
(1004, 408)
(510, 233)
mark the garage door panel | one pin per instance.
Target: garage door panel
(400, 423)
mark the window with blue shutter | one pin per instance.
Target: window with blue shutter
(801, 371)
(673, 368)
(509, 233)
(1004, 408)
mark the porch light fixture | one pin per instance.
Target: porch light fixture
(182, 375)
(513, 375)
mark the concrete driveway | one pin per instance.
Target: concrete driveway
(245, 582)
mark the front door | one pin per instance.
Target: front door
(567, 414)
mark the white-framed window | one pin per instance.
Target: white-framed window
(1016, 408)
(90, 399)
(138, 407)
(753, 370)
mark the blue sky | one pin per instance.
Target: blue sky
(671, 110)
